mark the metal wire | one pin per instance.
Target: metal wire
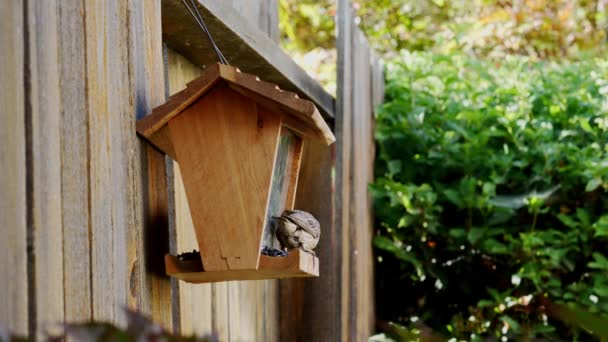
(201, 23)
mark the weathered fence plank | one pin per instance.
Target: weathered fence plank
(346, 312)
(120, 115)
(148, 187)
(362, 285)
(195, 300)
(99, 200)
(74, 162)
(377, 81)
(264, 13)
(44, 165)
(13, 199)
(314, 301)
(343, 166)
(105, 71)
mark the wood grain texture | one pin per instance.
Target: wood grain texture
(266, 13)
(108, 110)
(243, 44)
(296, 264)
(206, 308)
(260, 13)
(348, 314)
(45, 164)
(227, 182)
(195, 301)
(147, 174)
(363, 156)
(297, 296)
(344, 162)
(328, 320)
(377, 81)
(13, 201)
(74, 162)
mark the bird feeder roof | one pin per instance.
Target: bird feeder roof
(299, 112)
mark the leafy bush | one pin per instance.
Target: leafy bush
(490, 195)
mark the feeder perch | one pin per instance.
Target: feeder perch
(238, 142)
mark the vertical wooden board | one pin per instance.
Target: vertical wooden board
(268, 20)
(249, 9)
(45, 164)
(147, 171)
(99, 178)
(196, 300)
(201, 310)
(234, 311)
(221, 311)
(299, 298)
(251, 299)
(13, 283)
(108, 277)
(377, 81)
(74, 162)
(243, 299)
(119, 113)
(361, 239)
(270, 309)
(263, 13)
(344, 181)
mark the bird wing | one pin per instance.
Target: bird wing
(312, 231)
(305, 221)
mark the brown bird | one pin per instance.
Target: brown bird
(298, 229)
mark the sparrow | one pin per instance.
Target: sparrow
(298, 229)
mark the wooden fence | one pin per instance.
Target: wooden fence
(88, 210)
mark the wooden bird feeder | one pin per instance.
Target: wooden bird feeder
(238, 142)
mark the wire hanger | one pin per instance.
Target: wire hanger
(201, 23)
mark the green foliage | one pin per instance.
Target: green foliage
(307, 24)
(490, 195)
(538, 28)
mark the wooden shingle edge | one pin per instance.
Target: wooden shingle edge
(243, 44)
(178, 102)
(303, 111)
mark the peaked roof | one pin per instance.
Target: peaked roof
(302, 112)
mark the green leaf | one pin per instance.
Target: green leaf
(601, 227)
(567, 221)
(475, 234)
(458, 233)
(494, 246)
(394, 166)
(454, 197)
(583, 217)
(600, 261)
(543, 329)
(384, 243)
(593, 184)
(484, 303)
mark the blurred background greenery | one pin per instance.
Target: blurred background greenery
(491, 191)
(541, 29)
